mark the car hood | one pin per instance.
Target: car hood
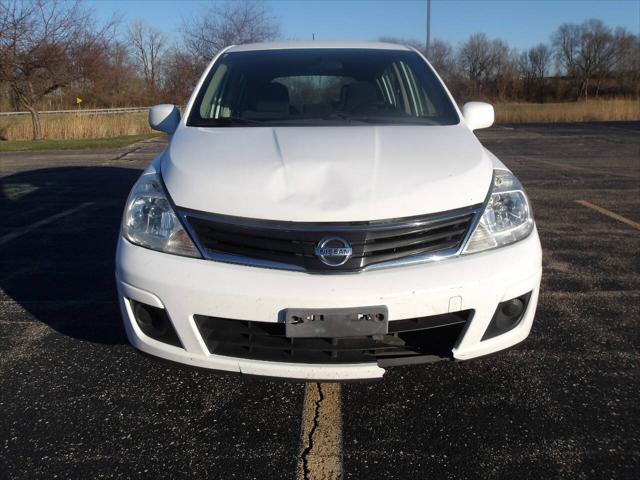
(324, 174)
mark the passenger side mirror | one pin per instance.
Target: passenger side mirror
(164, 118)
(478, 115)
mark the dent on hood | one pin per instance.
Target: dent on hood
(326, 173)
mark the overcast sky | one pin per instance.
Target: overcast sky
(522, 23)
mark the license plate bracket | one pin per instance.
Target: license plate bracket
(336, 322)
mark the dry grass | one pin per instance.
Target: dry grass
(589, 111)
(75, 144)
(70, 126)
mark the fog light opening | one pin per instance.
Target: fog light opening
(507, 316)
(160, 325)
(143, 317)
(512, 308)
(154, 322)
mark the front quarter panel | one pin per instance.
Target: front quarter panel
(497, 163)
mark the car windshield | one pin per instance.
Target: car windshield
(322, 87)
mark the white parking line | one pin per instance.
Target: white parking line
(40, 223)
(609, 213)
(321, 438)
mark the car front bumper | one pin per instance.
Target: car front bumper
(185, 287)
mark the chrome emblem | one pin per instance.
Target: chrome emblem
(333, 251)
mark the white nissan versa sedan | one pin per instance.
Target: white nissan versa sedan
(324, 211)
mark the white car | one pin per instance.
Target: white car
(324, 211)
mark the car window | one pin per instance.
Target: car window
(314, 94)
(212, 105)
(400, 87)
(322, 86)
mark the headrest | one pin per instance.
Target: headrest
(359, 94)
(273, 97)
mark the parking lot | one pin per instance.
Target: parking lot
(76, 401)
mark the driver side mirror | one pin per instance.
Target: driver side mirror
(478, 115)
(164, 118)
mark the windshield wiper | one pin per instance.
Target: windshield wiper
(382, 119)
(346, 117)
(239, 120)
(271, 121)
(390, 119)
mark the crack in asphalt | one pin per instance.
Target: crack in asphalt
(314, 426)
(121, 155)
(320, 455)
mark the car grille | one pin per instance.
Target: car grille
(291, 245)
(408, 341)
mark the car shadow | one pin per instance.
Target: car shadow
(58, 238)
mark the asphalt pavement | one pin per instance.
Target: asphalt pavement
(76, 401)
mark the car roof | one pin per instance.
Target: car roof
(251, 47)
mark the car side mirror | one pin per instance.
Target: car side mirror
(164, 118)
(478, 115)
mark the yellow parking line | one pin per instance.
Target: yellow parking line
(609, 213)
(321, 438)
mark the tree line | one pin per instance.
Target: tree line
(52, 51)
(579, 61)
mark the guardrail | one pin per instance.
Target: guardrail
(88, 111)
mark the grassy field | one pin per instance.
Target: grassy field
(80, 144)
(590, 111)
(76, 127)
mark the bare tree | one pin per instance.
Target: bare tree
(475, 59)
(533, 66)
(503, 72)
(600, 46)
(586, 52)
(180, 75)
(486, 62)
(566, 43)
(44, 46)
(442, 57)
(148, 46)
(229, 23)
(115, 81)
(627, 64)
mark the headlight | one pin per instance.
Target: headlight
(149, 220)
(506, 218)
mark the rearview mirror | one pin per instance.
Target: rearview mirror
(164, 118)
(478, 115)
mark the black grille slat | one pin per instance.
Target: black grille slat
(221, 240)
(210, 236)
(255, 228)
(391, 233)
(409, 252)
(263, 254)
(422, 323)
(425, 336)
(293, 243)
(275, 343)
(414, 240)
(308, 344)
